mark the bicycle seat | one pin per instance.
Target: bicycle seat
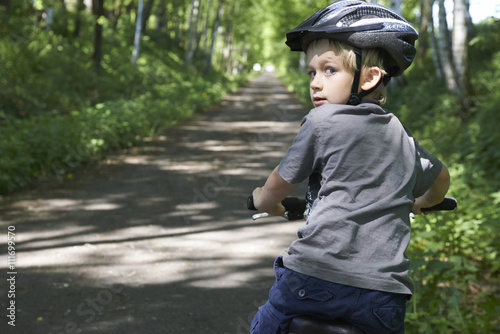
(309, 325)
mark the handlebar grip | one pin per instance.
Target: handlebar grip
(290, 203)
(250, 205)
(448, 204)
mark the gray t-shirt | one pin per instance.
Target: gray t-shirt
(364, 170)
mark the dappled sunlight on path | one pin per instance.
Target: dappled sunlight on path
(157, 239)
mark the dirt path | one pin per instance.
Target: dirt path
(156, 239)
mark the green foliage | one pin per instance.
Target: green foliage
(51, 143)
(57, 113)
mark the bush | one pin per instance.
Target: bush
(55, 143)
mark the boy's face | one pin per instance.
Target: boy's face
(330, 82)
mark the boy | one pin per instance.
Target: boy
(366, 174)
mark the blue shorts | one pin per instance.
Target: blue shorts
(295, 294)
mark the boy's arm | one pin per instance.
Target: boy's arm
(435, 194)
(268, 198)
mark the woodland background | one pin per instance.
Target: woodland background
(80, 78)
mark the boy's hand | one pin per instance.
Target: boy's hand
(435, 194)
(418, 205)
(277, 210)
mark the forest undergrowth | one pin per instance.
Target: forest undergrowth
(58, 113)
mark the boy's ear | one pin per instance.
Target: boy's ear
(371, 76)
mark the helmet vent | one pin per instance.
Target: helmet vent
(364, 13)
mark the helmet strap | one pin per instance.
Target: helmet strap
(357, 97)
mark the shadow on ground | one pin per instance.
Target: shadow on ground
(157, 239)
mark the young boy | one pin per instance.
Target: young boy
(366, 174)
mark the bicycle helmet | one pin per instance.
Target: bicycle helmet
(363, 26)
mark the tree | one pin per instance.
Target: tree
(80, 6)
(204, 34)
(137, 36)
(453, 53)
(146, 13)
(436, 54)
(192, 32)
(98, 10)
(444, 44)
(215, 29)
(460, 42)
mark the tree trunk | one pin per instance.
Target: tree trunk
(460, 54)
(137, 36)
(215, 29)
(436, 53)
(146, 13)
(444, 42)
(471, 30)
(229, 47)
(80, 6)
(98, 9)
(423, 39)
(192, 32)
(49, 18)
(204, 34)
(459, 45)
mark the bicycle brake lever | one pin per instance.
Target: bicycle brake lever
(265, 214)
(260, 215)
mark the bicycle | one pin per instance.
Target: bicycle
(295, 210)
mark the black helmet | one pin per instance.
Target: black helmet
(361, 25)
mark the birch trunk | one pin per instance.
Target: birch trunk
(460, 43)
(204, 34)
(215, 29)
(192, 32)
(436, 53)
(137, 36)
(444, 42)
(461, 55)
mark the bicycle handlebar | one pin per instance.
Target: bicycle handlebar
(448, 204)
(290, 204)
(295, 207)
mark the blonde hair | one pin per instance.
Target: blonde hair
(371, 57)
